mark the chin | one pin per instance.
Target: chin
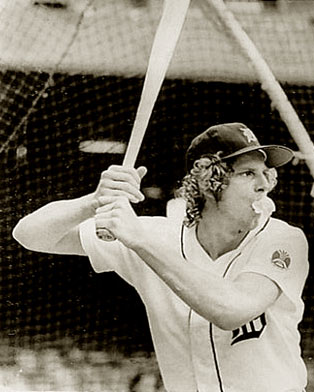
(250, 220)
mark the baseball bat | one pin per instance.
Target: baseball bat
(165, 40)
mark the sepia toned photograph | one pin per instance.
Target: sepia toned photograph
(157, 195)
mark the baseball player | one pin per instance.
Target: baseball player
(220, 278)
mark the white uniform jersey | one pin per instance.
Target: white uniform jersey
(195, 355)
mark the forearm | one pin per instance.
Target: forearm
(218, 300)
(43, 229)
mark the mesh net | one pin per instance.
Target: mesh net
(71, 74)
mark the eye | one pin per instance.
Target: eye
(247, 173)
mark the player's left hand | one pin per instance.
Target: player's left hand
(117, 216)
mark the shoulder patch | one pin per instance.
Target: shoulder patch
(281, 259)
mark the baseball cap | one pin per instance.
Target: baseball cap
(231, 140)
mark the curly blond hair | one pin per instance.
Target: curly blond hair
(208, 177)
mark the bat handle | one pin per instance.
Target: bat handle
(105, 234)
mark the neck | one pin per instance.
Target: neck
(218, 236)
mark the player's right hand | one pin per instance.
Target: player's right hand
(119, 181)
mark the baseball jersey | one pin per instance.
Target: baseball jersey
(193, 354)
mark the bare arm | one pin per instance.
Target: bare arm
(54, 228)
(227, 304)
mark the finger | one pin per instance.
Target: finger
(109, 215)
(110, 203)
(123, 181)
(141, 171)
(126, 190)
(136, 174)
(122, 173)
(121, 176)
(106, 222)
(104, 209)
(107, 211)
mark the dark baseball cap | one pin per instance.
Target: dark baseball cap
(231, 140)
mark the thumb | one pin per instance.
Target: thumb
(141, 171)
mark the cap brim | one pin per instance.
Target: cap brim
(276, 155)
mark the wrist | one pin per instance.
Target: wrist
(138, 239)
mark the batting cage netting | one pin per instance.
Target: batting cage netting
(71, 75)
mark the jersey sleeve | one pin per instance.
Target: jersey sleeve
(283, 258)
(109, 256)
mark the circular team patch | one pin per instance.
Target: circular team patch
(281, 259)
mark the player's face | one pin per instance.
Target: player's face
(249, 182)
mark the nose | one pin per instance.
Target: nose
(262, 183)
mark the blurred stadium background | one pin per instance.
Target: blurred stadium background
(71, 74)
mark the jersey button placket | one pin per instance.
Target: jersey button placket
(201, 353)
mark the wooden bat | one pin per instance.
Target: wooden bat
(165, 40)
